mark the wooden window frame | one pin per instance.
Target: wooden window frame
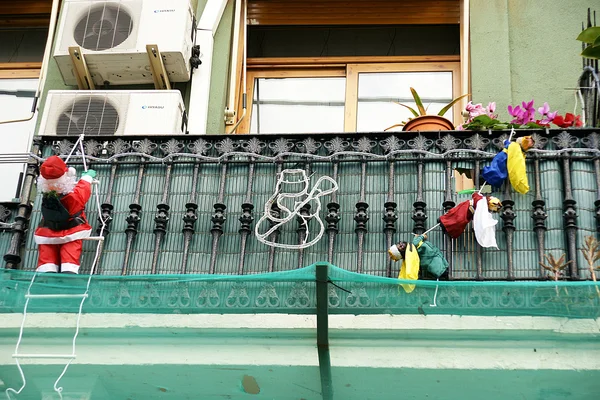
(350, 68)
(280, 73)
(352, 76)
(24, 70)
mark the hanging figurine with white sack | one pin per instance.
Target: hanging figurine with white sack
(478, 209)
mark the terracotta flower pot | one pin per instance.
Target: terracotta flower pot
(428, 123)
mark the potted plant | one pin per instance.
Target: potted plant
(424, 122)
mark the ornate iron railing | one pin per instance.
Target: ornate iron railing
(188, 204)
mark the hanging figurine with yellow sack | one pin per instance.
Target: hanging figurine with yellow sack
(510, 163)
(419, 253)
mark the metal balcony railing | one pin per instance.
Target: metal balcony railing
(189, 204)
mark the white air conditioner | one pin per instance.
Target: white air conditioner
(113, 113)
(113, 36)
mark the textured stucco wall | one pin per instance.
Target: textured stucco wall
(524, 49)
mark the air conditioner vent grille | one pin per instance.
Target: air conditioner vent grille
(103, 27)
(90, 116)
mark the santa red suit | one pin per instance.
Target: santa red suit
(63, 223)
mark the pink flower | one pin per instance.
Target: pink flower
(522, 114)
(474, 110)
(491, 107)
(517, 114)
(547, 116)
(529, 111)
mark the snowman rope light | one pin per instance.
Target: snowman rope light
(294, 178)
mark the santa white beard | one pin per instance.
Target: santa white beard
(63, 185)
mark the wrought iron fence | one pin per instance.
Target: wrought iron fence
(189, 204)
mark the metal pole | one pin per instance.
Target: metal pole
(246, 218)
(323, 331)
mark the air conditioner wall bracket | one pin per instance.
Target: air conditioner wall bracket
(157, 67)
(82, 73)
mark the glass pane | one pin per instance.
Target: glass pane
(16, 98)
(298, 105)
(377, 92)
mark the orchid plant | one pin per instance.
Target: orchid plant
(524, 115)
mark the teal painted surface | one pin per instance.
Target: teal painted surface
(293, 292)
(132, 382)
(220, 72)
(526, 49)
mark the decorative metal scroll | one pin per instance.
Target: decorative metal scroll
(294, 177)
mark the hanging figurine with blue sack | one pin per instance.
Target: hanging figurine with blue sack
(510, 163)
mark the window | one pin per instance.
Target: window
(23, 33)
(16, 98)
(321, 68)
(351, 97)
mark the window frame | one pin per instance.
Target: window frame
(352, 76)
(281, 73)
(20, 70)
(350, 68)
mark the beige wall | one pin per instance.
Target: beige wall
(524, 49)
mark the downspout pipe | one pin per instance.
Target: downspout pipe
(230, 113)
(201, 76)
(45, 62)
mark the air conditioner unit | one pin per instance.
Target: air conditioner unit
(113, 36)
(113, 113)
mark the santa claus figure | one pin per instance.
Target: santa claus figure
(456, 219)
(63, 223)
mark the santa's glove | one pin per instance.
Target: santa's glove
(89, 175)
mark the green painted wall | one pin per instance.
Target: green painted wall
(130, 382)
(220, 72)
(524, 49)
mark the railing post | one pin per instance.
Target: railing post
(13, 256)
(565, 141)
(323, 331)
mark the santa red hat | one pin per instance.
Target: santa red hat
(53, 168)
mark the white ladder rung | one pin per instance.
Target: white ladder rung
(43, 355)
(55, 296)
(97, 238)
